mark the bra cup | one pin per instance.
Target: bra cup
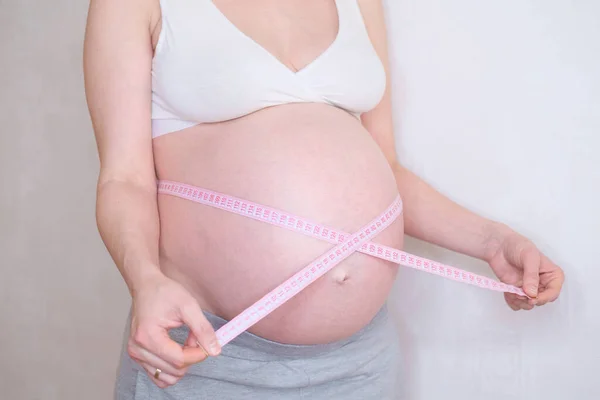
(204, 72)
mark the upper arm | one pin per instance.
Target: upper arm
(379, 121)
(117, 71)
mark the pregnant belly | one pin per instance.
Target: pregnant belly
(311, 160)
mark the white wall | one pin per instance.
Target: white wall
(498, 106)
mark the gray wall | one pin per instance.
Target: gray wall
(62, 301)
(497, 105)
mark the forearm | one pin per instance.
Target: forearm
(432, 217)
(128, 223)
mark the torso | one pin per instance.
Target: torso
(313, 160)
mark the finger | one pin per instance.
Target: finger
(510, 300)
(550, 292)
(513, 297)
(553, 279)
(157, 341)
(517, 302)
(164, 379)
(192, 342)
(524, 305)
(530, 258)
(193, 317)
(144, 356)
(526, 299)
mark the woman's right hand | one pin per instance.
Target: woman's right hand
(159, 305)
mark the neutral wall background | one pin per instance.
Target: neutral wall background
(497, 105)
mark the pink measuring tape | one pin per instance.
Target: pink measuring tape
(345, 245)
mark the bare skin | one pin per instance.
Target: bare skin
(171, 252)
(281, 157)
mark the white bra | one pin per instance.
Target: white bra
(206, 70)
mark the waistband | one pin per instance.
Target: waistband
(256, 347)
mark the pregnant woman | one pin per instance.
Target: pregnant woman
(203, 108)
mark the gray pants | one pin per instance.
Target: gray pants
(363, 367)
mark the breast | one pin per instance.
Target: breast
(218, 78)
(312, 160)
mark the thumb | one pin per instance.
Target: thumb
(203, 331)
(530, 260)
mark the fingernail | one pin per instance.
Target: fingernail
(533, 290)
(213, 347)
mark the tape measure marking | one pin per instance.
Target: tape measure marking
(346, 244)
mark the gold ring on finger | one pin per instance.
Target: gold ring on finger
(157, 373)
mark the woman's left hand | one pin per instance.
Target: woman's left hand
(517, 261)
